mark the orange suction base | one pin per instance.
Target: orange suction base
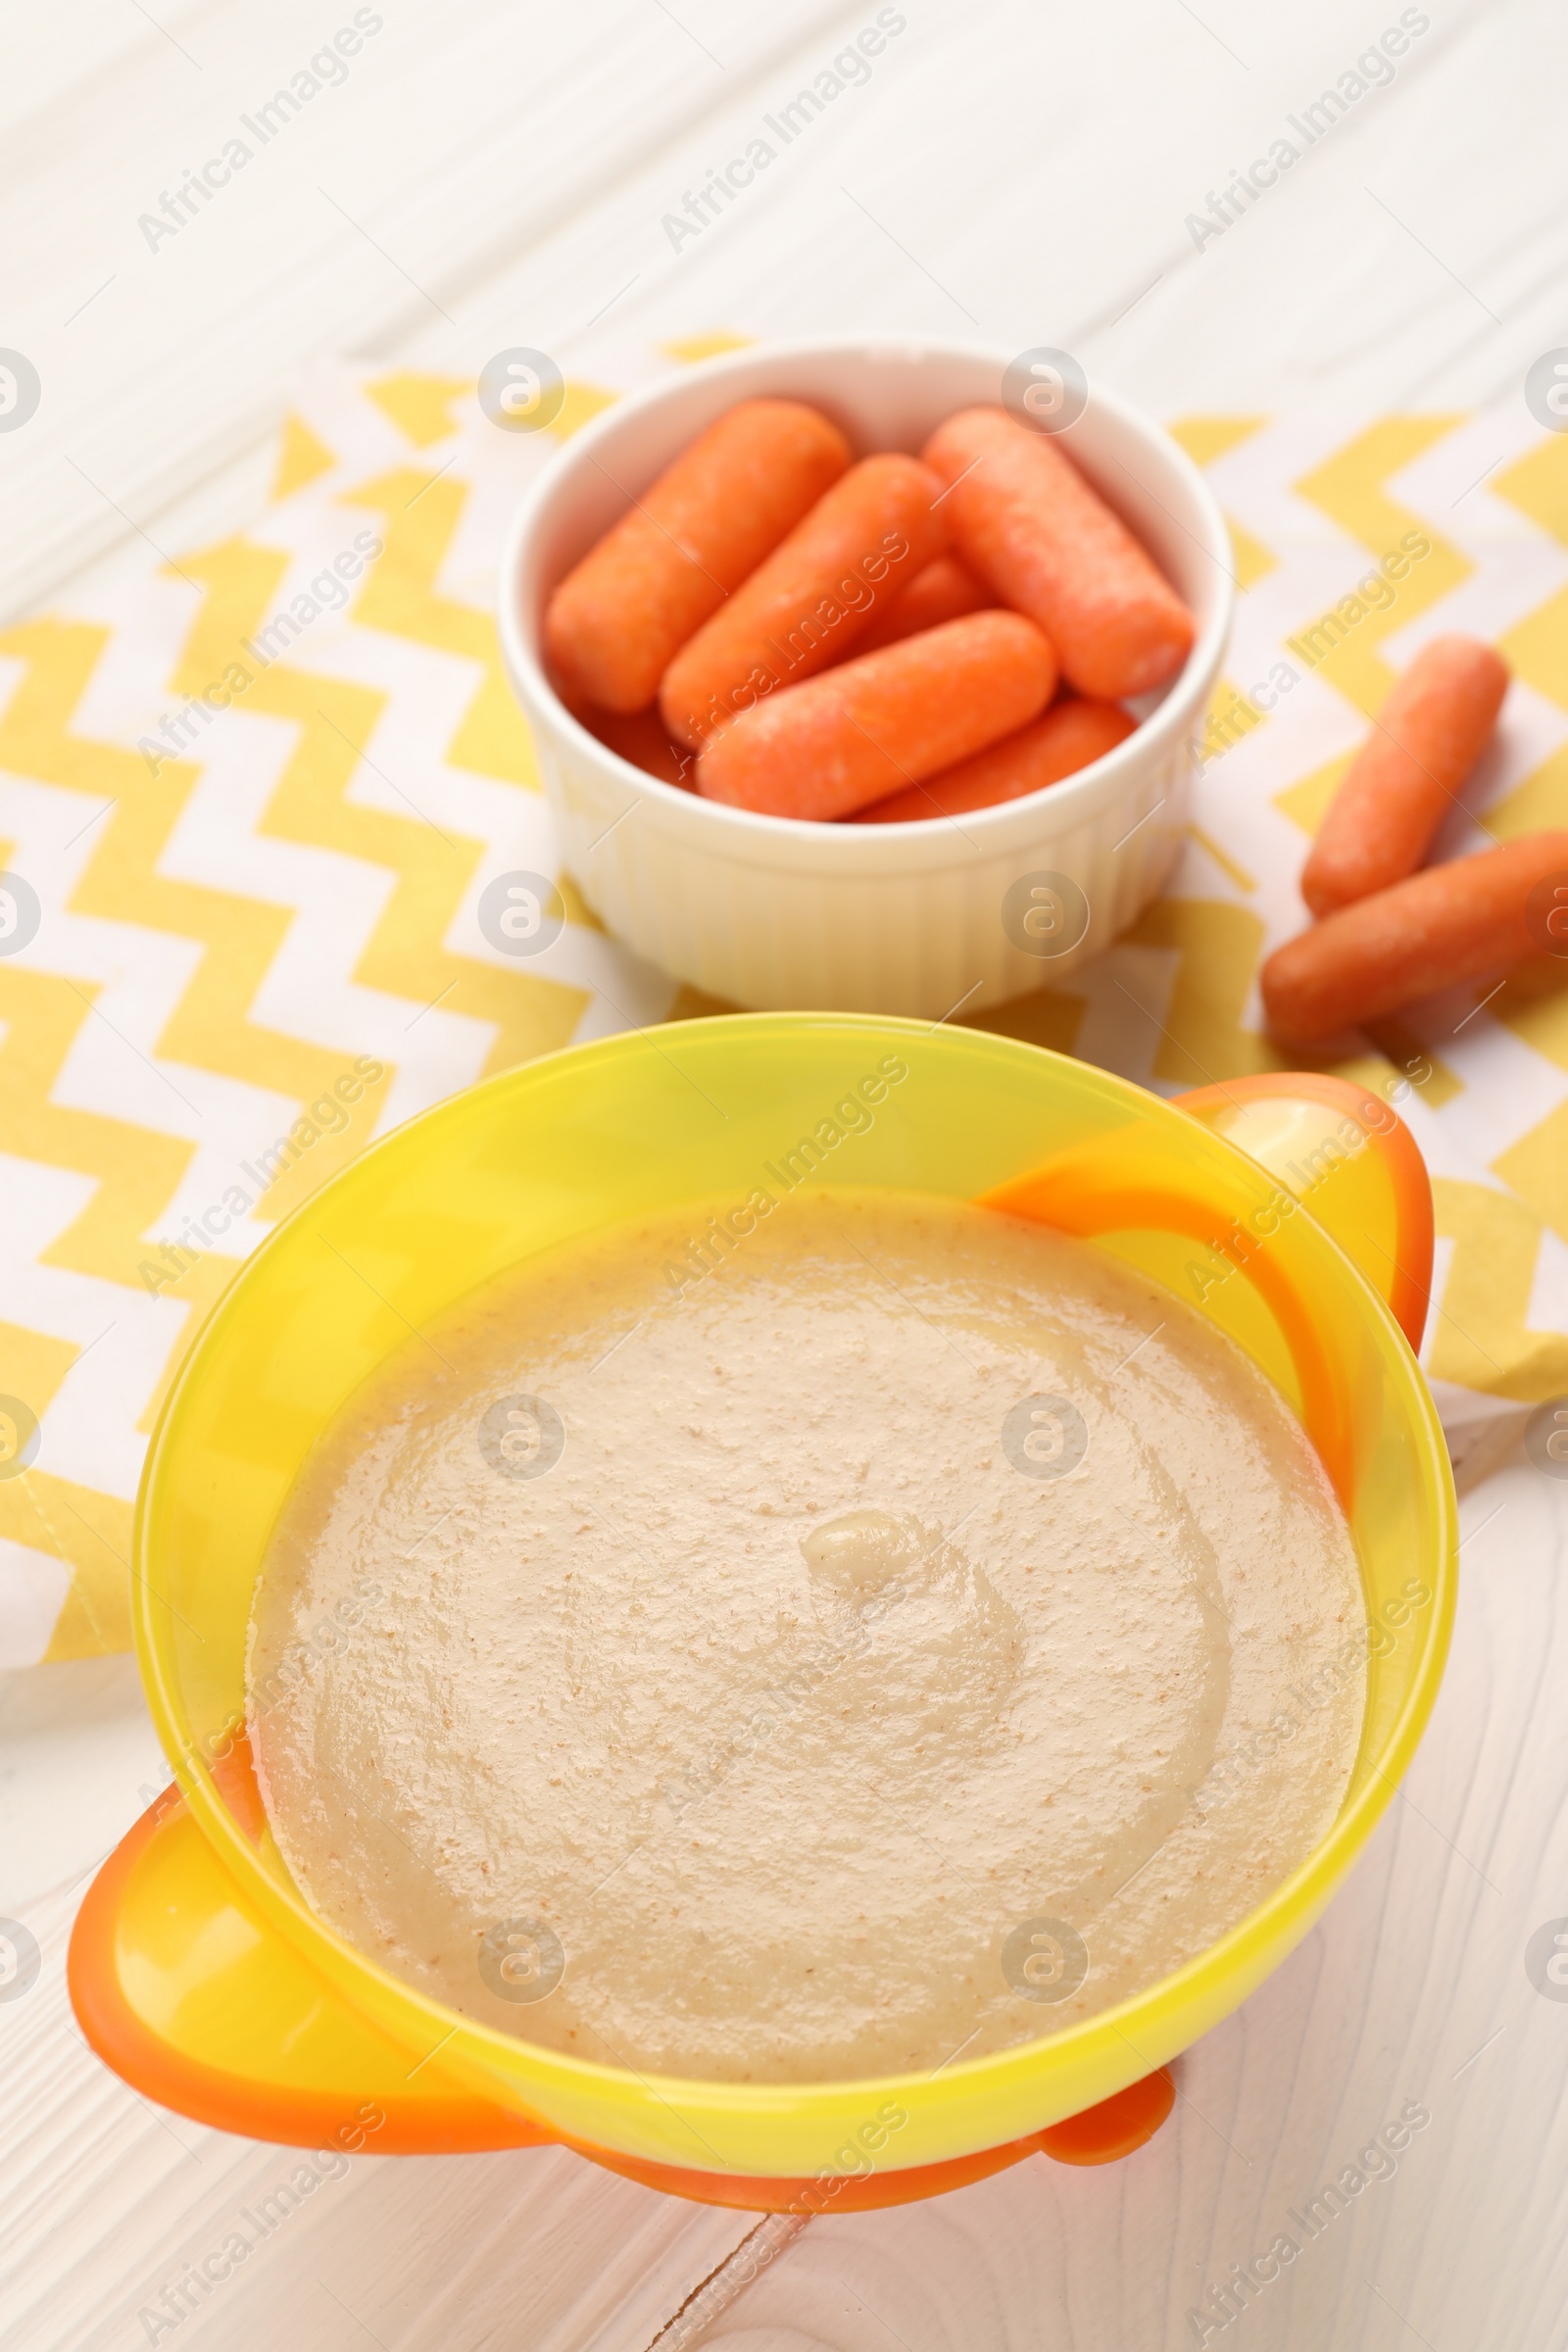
(166, 1968)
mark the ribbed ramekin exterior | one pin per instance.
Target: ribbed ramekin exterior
(898, 934)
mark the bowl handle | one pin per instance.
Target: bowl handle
(191, 1997)
(1347, 1158)
(1334, 1148)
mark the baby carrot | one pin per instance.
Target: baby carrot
(848, 737)
(1403, 781)
(1066, 739)
(639, 736)
(802, 607)
(1025, 520)
(1447, 923)
(683, 547)
(944, 591)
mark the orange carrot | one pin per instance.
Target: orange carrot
(944, 591)
(845, 738)
(686, 544)
(639, 736)
(864, 541)
(1447, 923)
(1403, 780)
(1066, 739)
(1025, 520)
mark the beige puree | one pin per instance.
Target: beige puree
(842, 1662)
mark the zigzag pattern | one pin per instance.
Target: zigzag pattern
(307, 856)
(232, 918)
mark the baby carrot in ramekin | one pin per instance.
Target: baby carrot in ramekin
(1069, 736)
(1403, 780)
(944, 591)
(1024, 518)
(620, 616)
(639, 736)
(865, 539)
(887, 720)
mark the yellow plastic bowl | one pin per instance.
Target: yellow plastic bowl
(612, 1129)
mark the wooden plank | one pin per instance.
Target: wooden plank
(451, 142)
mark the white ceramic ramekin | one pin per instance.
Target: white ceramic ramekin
(914, 918)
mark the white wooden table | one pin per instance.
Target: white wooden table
(484, 175)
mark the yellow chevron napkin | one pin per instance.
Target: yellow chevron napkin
(250, 801)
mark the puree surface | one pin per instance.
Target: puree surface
(844, 1660)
